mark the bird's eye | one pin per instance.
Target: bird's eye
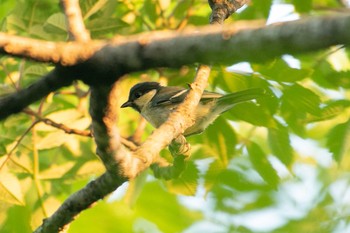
(138, 94)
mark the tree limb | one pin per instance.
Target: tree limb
(79, 201)
(211, 45)
(17, 101)
(76, 27)
(222, 9)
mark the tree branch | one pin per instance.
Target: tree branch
(17, 101)
(76, 27)
(172, 49)
(222, 9)
(79, 201)
(209, 44)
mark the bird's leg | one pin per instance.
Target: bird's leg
(180, 146)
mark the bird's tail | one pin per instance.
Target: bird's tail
(228, 101)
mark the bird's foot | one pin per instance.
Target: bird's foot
(180, 146)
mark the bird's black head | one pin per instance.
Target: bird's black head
(138, 91)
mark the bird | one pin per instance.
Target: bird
(155, 103)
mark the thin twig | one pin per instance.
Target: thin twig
(85, 133)
(8, 156)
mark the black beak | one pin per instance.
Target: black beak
(126, 104)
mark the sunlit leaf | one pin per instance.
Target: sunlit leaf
(338, 140)
(52, 140)
(262, 164)
(221, 138)
(280, 144)
(212, 174)
(10, 189)
(135, 188)
(90, 168)
(56, 171)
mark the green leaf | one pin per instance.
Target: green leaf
(187, 183)
(212, 174)
(338, 140)
(262, 164)
(332, 109)
(220, 138)
(33, 72)
(326, 76)
(279, 142)
(56, 23)
(51, 140)
(57, 171)
(135, 188)
(17, 220)
(252, 113)
(149, 12)
(99, 27)
(98, 5)
(301, 99)
(302, 6)
(236, 180)
(297, 103)
(262, 8)
(10, 189)
(280, 71)
(163, 209)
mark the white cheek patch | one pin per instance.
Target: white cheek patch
(145, 99)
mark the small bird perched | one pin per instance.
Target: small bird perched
(155, 102)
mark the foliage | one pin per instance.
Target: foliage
(268, 160)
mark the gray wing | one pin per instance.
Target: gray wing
(208, 95)
(174, 95)
(169, 95)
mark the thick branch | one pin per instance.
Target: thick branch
(64, 53)
(104, 116)
(171, 49)
(207, 45)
